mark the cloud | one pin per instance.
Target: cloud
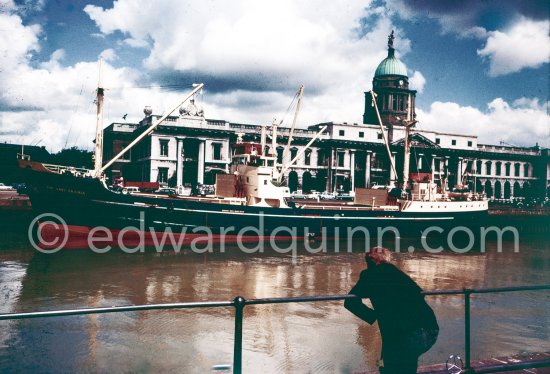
(253, 56)
(7, 6)
(521, 123)
(466, 18)
(50, 103)
(525, 45)
(109, 55)
(417, 81)
(16, 45)
(270, 45)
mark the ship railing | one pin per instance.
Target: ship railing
(60, 169)
(239, 303)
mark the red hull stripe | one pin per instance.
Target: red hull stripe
(79, 237)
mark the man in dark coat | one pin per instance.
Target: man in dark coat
(407, 323)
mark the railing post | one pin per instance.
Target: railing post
(467, 293)
(240, 302)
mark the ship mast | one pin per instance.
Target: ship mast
(98, 155)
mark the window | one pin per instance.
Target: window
(361, 134)
(507, 166)
(341, 132)
(320, 158)
(437, 141)
(478, 167)
(216, 151)
(385, 101)
(293, 153)
(488, 166)
(469, 143)
(280, 155)
(453, 142)
(499, 168)
(516, 170)
(341, 159)
(400, 103)
(163, 175)
(379, 135)
(526, 170)
(307, 158)
(163, 148)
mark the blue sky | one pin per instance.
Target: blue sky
(480, 67)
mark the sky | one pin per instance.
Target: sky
(480, 67)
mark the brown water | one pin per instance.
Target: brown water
(287, 338)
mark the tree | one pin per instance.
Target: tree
(79, 158)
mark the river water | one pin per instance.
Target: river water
(317, 337)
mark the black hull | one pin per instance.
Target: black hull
(86, 202)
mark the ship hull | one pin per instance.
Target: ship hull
(85, 203)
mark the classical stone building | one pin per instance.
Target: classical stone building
(190, 148)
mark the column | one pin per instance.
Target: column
(433, 169)
(367, 169)
(352, 169)
(445, 186)
(227, 147)
(330, 174)
(179, 165)
(393, 177)
(459, 171)
(419, 166)
(200, 165)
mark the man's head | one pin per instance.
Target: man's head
(377, 255)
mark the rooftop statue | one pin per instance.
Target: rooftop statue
(390, 40)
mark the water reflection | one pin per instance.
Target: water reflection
(289, 338)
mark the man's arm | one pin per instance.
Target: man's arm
(356, 305)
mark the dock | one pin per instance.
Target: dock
(529, 363)
(534, 363)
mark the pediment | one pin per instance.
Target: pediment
(417, 141)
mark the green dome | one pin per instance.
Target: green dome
(391, 66)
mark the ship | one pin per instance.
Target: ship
(254, 205)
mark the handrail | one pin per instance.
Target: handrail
(240, 302)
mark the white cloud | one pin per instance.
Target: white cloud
(50, 103)
(525, 45)
(272, 50)
(417, 81)
(271, 42)
(269, 48)
(16, 45)
(109, 55)
(523, 123)
(7, 6)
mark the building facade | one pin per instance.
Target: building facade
(189, 149)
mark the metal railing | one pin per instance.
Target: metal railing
(240, 302)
